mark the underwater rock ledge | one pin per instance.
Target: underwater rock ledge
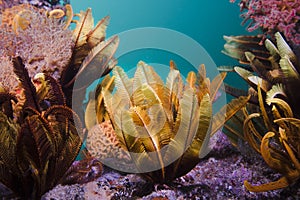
(219, 176)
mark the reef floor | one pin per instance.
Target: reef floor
(220, 175)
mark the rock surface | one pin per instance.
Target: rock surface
(218, 176)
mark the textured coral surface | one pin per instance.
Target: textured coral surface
(46, 4)
(45, 45)
(273, 16)
(219, 176)
(8, 78)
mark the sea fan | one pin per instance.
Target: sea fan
(163, 128)
(270, 120)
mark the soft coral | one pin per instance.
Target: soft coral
(272, 16)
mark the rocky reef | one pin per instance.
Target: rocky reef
(220, 175)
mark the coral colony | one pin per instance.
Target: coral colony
(163, 131)
(272, 16)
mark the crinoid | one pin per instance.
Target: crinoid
(270, 120)
(39, 144)
(163, 128)
(92, 55)
(279, 146)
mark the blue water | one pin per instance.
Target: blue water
(204, 21)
